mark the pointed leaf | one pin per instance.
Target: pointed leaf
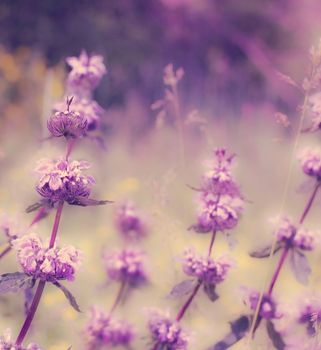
(275, 336)
(16, 281)
(28, 299)
(85, 202)
(265, 252)
(209, 290)
(34, 207)
(182, 288)
(68, 295)
(239, 328)
(300, 266)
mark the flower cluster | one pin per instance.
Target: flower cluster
(301, 238)
(86, 71)
(310, 160)
(166, 334)
(204, 268)
(103, 331)
(310, 316)
(129, 223)
(48, 264)
(268, 308)
(126, 266)
(172, 77)
(83, 113)
(63, 180)
(218, 212)
(221, 203)
(6, 343)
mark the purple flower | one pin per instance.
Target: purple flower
(166, 334)
(310, 315)
(204, 268)
(67, 123)
(172, 77)
(310, 160)
(62, 180)
(46, 264)
(220, 200)
(103, 331)
(129, 223)
(218, 212)
(268, 308)
(86, 71)
(219, 179)
(126, 266)
(6, 343)
(87, 108)
(301, 238)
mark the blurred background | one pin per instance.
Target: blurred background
(231, 52)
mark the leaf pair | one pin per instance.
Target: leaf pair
(187, 287)
(240, 327)
(20, 281)
(298, 261)
(265, 252)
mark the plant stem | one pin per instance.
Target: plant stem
(70, 145)
(41, 284)
(180, 124)
(278, 269)
(41, 213)
(56, 224)
(285, 253)
(188, 302)
(31, 313)
(118, 297)
(212, 243)
(309, 203)
(5, 251)
(287, 248)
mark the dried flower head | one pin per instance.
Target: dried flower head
(102, 331)
(86, 71)
(6, 343)
(87, 108)
(310, 160)
(166, 334)
(126, 266)
(129, 223)
(67, 123)
(48, 264)
(63, 180)
(204, 268)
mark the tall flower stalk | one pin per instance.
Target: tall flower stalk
(60, 181)
(310, 84)
(170, 104)
(221, 205)
(126, 267)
